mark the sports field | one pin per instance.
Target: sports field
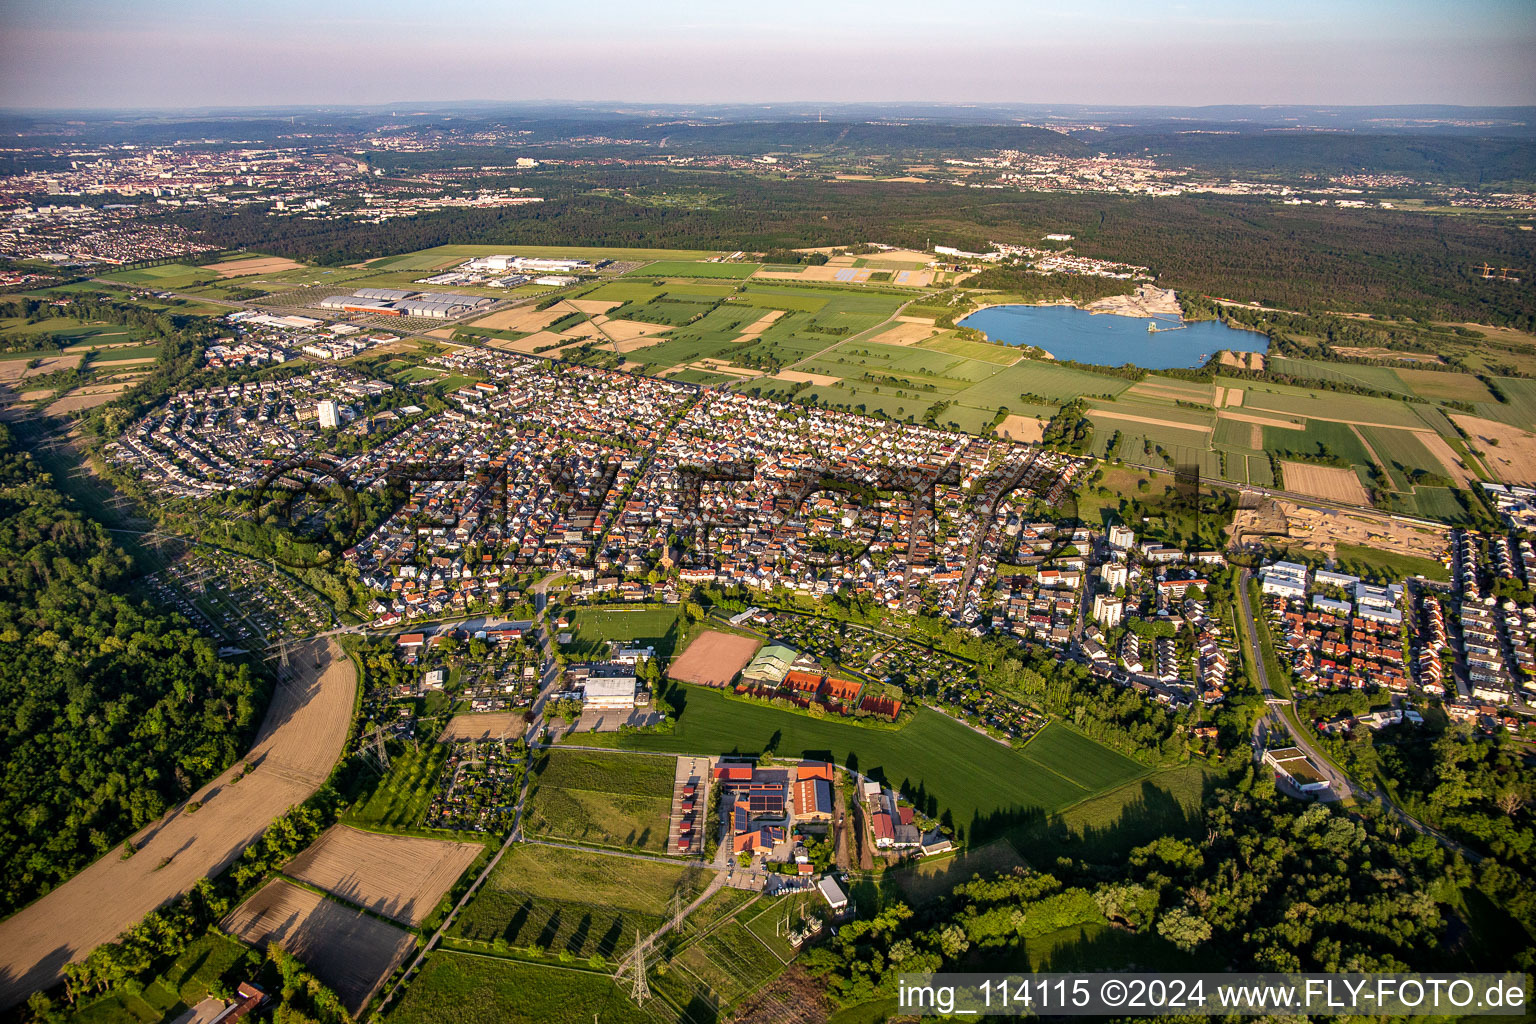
(594, 628)
(713, 659)
(601, 799)
(933, 759)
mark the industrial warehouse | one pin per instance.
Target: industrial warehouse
(396, 302)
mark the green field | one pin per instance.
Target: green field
(458, 988)
(68, 330)
(681, 268)
(1519, 405)
(940, 764)
(1323, 405)
(1038, 377)
(929, 879)
(730, 962)
(1436, 385)
(1130, 404)
(956, 346)
(399, 800)
(168, 276)
(1398, 566)
(594, 628)
(1320, 436)
(601, 799)
(583, 903)
(1379, 378)
(950, 373)
(1401, 453)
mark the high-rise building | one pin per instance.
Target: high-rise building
(330, 415)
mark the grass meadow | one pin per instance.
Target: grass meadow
(943, 766)
(601, 799)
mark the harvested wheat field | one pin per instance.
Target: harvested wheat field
(258, 265)
(629, 330)
(1328, 482)
(713, 365)
(295, 749)
(1376, 352)
(1248, 360)
(401, 877)
(122, 365)
(86, 398)
(539, 339)
(1508, 452)
(592, 307)
(1150, 421)
(905, 334)
(1021, 428)
(1273, 419)
(100, 346)
(346, 949)
(801, 377)
(494, 726)
(713, 659)
(1449, 460)
(16, 369)
(758, 326)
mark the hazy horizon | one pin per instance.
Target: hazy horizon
(177, 54)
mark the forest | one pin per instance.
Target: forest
(111, 711)
(1308, 258)
(1275, 886)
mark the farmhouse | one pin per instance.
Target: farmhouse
(758, 800)
(813, 791)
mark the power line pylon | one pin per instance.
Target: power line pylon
(635, 966)
(379, 750)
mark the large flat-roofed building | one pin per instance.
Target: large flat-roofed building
(441, 305)
(1284, 579)
(609, 691)
(382, 294)
(1293, 765)
(358, 304)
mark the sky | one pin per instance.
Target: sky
(193, 53)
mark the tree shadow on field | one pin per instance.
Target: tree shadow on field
(518, 922)
(611, 938)
(1152, 813)
(546, 938)
(578, 939)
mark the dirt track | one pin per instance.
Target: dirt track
(300, 739)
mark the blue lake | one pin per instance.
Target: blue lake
(1107, 339)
